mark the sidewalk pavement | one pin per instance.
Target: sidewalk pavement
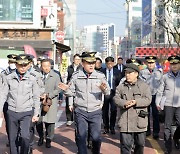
(64, 141)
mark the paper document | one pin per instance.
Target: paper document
(163, 100)
(1, 121)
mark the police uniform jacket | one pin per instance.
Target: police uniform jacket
(130, 121)
(39, 79)
(21, 95)
(152, 79)
(6, 72)
(51, 88)
(170, 89)
(88, 96)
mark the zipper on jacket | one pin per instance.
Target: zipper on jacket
(87, 93)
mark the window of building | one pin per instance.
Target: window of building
(176, 9)
(137, 8)
(176, 22)
(16, 10)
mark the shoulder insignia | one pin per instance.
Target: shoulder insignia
(76, 72)
(32, 74)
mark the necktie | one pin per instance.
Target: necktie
(44, 77)
(109, 78)
(20, 77)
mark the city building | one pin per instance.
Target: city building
(160, 23)
(99, 38)
(30, 27)
(69, 7)
(133, 26)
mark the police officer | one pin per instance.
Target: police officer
(39, 79)
(11, 68)
(22, 93)
(152, 76)
(169, 89)
(133, 96)
(87, 86)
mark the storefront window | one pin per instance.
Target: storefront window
(16, 10)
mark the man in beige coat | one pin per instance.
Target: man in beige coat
(133, 96)
(51, 80)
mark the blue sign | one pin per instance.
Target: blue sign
(146, 17)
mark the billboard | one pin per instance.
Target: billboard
(146, 17)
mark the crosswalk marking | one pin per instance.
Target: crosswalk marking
(155, 145)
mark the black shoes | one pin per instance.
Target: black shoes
(106, 131)
(30, 151)
(176, 144)
(89, 145)
(113, 131)
(48, 143)
(148, 133)
(40, 142)
(7, 144)
(167, 152)
(155, 136)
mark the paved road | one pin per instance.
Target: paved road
(64, 143)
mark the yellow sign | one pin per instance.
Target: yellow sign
(64, 64)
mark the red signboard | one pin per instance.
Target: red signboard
(60, 35)
(44, 12)
(152, 51)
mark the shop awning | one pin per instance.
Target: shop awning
(38, 45)
(62, 47)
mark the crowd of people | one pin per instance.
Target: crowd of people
(30, 93)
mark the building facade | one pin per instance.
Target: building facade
(133, 26)
(160, 23)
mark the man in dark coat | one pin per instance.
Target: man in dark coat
(75, 66)
(120, 66)
(113, 76)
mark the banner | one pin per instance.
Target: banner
(30, 50)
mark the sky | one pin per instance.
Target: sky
(97, 12)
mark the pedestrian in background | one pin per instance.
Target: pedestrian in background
(21, 91)
(98, 65)
(75, 66)
(87, 86)
(120, 66)
(170, 90)
(133, 96)
(152, 76)
(113, 76)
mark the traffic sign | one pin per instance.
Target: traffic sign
(60, 35)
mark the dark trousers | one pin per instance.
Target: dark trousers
(155, 115)
(5, 109)
(109, 102)
(170, 113)
(69, 114)
(177, 133)
(129, 139)
(84, 121)
(49, 130)
(32, 131)
(19, 124)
